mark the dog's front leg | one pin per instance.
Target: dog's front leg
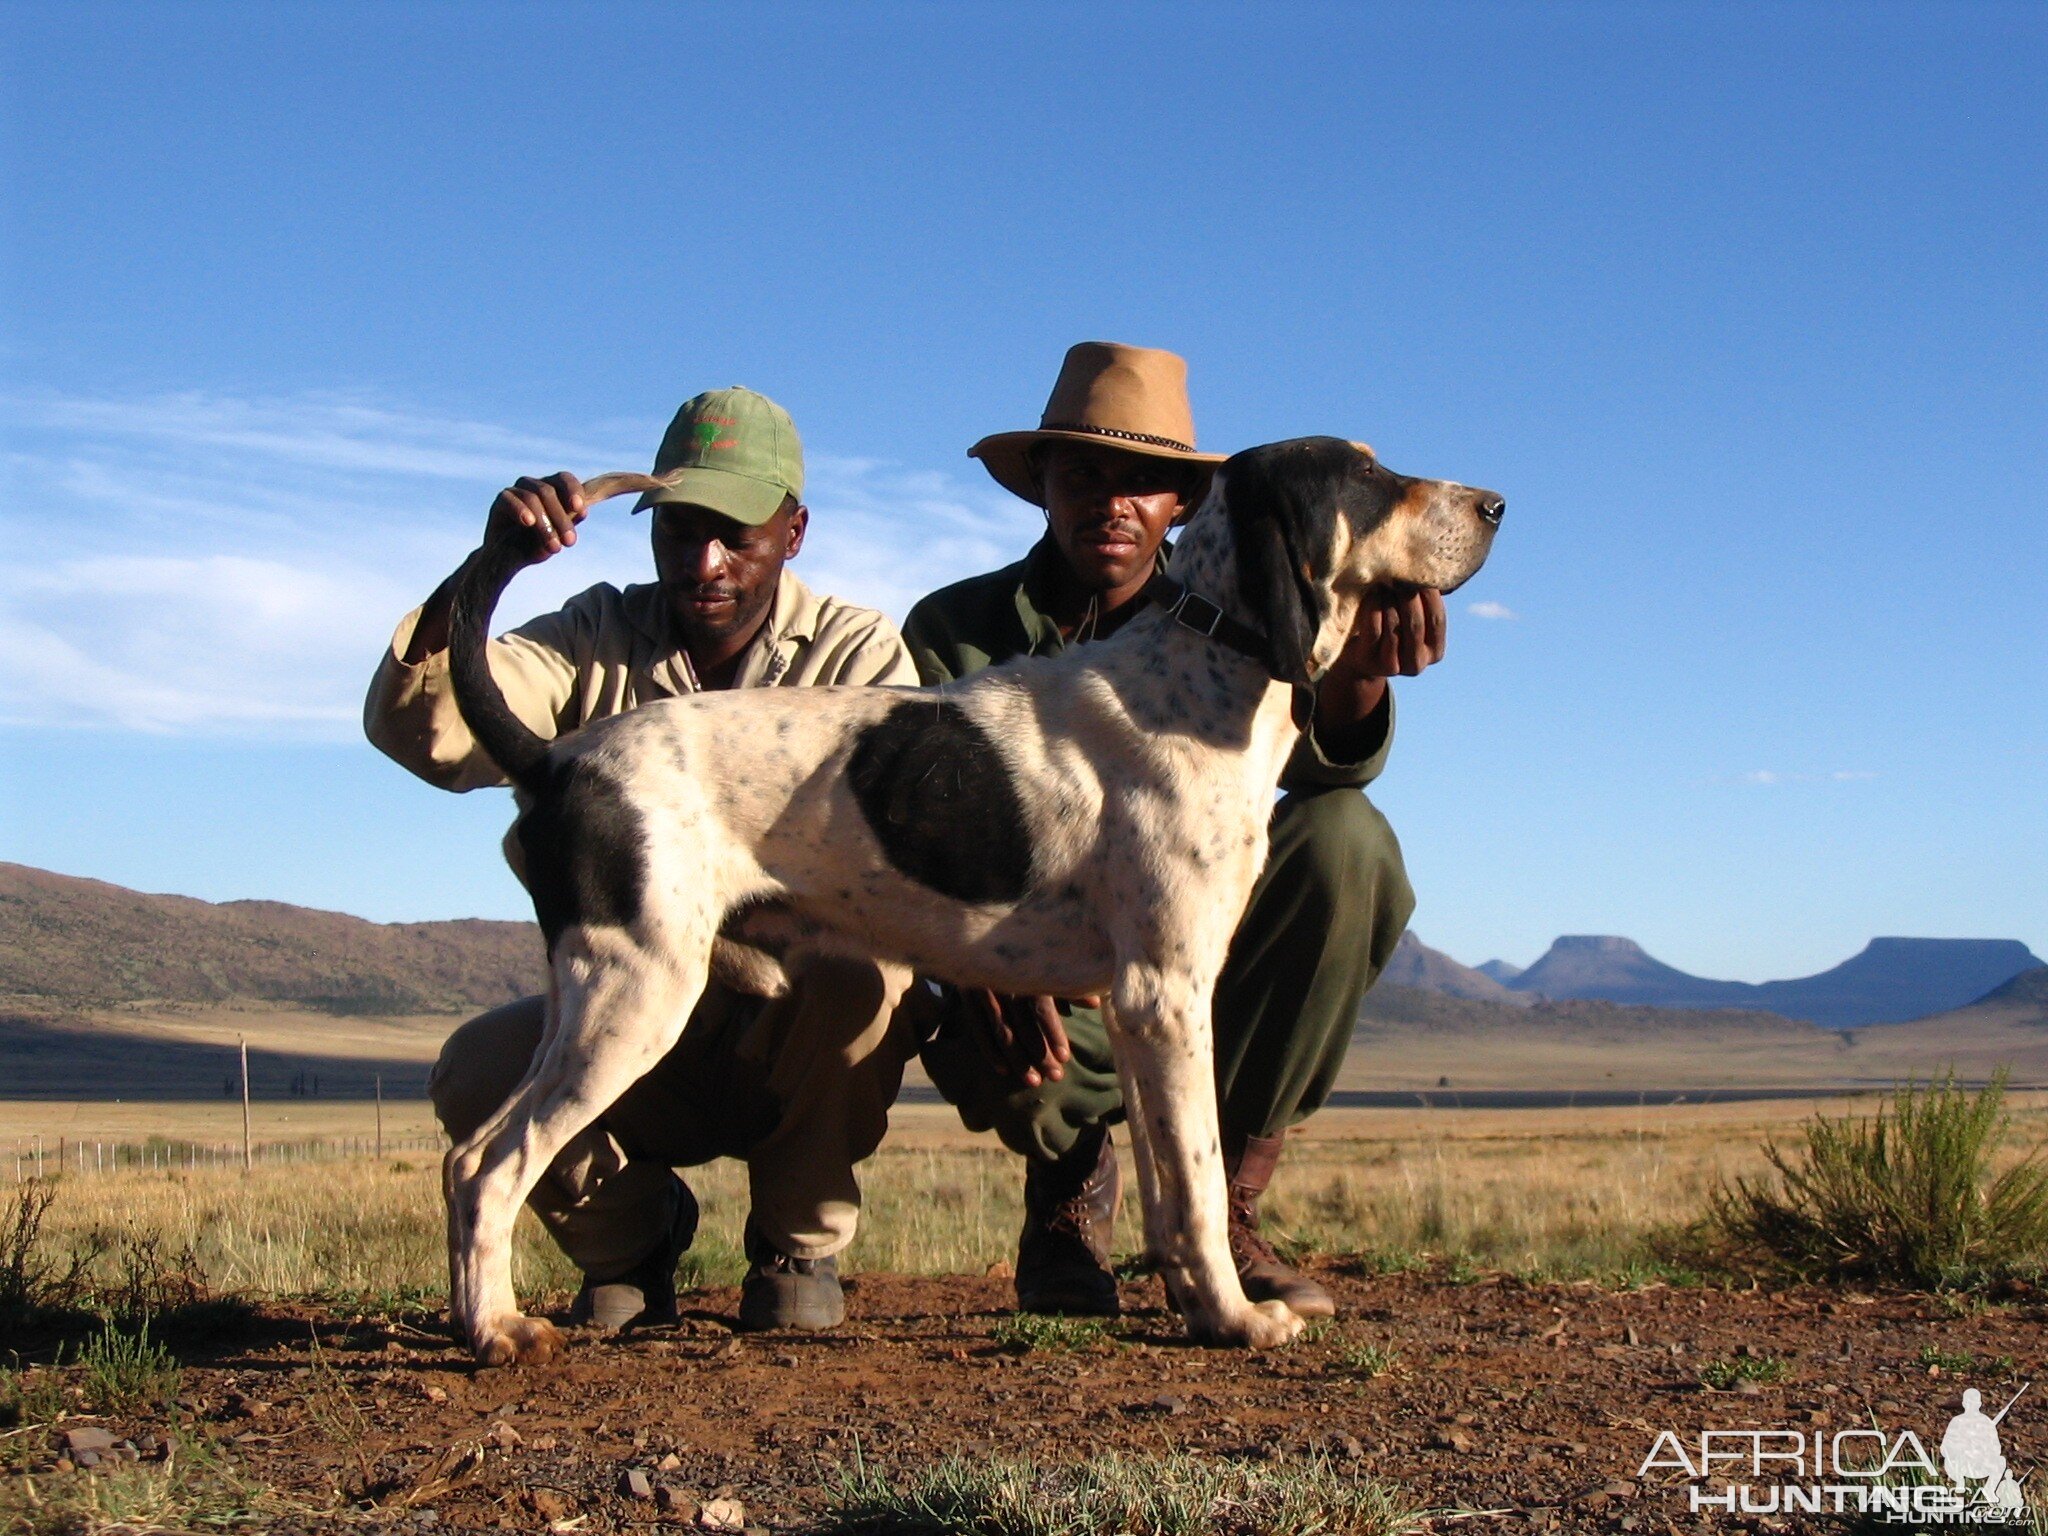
(1161, 1036)
(615, 1009)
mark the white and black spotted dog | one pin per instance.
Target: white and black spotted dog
(1090, 823)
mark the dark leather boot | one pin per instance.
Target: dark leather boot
(1069, 1217)
(1248, 1164)
(646, 1293)
(782, 1291)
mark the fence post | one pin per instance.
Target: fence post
(248, 1162)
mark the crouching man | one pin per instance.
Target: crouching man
(800, 1087)
(1113, 464)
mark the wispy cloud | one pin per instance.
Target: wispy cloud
(200, 564)
(1488, 609)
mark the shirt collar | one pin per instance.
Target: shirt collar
(792, 622)
(1038, 575)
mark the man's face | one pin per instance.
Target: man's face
(718, 574)
(1109, 510)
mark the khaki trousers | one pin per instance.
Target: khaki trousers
(798, 1087)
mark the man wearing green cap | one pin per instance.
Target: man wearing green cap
(1113, 464)
(798, 1087)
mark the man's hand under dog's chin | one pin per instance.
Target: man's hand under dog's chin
(1398, 636)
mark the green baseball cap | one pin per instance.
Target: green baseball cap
(733, 451)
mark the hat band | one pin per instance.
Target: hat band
(1130, 437)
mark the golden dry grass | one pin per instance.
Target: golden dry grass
(1558, 1192)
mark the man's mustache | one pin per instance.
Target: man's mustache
(1114, 530)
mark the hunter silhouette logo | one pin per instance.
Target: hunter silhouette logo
(1973, 1458)
(1889, 1476)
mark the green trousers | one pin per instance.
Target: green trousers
(1322, 922)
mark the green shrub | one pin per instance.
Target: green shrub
(1906, 1197)
(128, 1370)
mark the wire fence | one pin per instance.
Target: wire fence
(41, 1157)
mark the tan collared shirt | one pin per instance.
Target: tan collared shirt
(604, 652)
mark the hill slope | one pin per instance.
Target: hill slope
(86, 943)
(1415, 964)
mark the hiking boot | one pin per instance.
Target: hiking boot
(785, 1292)
(646, 1293)
(1069, 1216)
(1248, 1164)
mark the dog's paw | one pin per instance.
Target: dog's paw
(519, 1340)
(1261, 1325)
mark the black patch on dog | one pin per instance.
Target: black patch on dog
(940, 800)
(1283, 501)
(586, 852)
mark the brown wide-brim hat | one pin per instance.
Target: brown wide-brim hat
(1130, 398)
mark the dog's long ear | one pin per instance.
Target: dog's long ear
(1282, 503)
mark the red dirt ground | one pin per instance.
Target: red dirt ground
(1534, 1404)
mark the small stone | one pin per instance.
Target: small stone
(723, 1515)
(673, 1501)
(64, 1464)
(1170, 1405)
(1002, 1269)
(1453, 1439)
(1620, 1489)
(1748, 1388)
(504, 1436)
(1345, 1445)
(437, 1394)
(550, 1503)
(1630, 1337)
(636, 1484)
(86, 1458)
(669, 1463)
(545, 1443)
(1469, 1420)
(89, 1439)
(787, 1361)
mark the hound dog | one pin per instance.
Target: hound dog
(1088, 823)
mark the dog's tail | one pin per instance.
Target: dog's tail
(514, 747)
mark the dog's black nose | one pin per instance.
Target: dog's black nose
(1493, 508)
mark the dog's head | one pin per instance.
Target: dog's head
(1319, 522)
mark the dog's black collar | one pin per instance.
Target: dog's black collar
(1190, 608)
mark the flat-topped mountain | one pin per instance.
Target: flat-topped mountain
(79, 942)
(1889, 981)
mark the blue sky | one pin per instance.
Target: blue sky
(1742, 307)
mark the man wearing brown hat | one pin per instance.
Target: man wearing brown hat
(1113, 463)
(798, 1087)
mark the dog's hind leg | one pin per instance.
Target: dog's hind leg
(616, 1008)
(1161, 1035)
(1141, 1147)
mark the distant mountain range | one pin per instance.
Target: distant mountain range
(1890, 981)
(67, 944)
(71, 943)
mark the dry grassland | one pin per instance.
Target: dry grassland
(1559, 1193)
